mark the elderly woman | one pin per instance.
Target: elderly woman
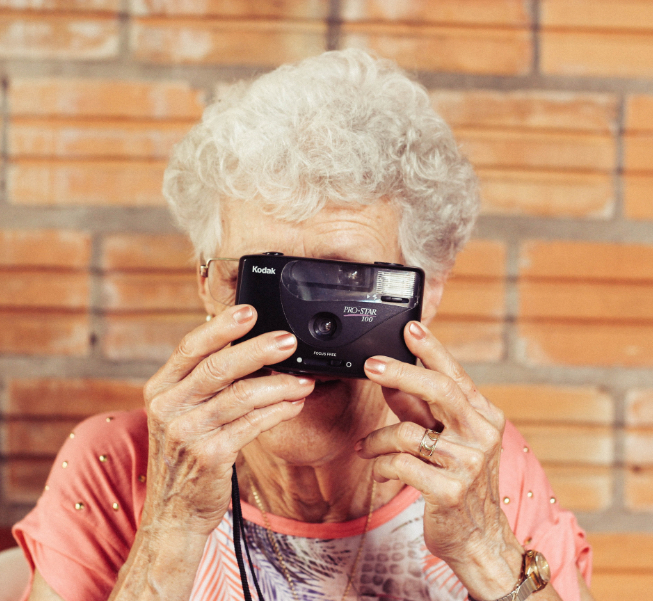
(340, 156)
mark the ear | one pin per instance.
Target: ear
(433, 289)
(203, 290)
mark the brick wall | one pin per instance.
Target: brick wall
(550, 307)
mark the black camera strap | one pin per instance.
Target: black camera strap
(239, 534)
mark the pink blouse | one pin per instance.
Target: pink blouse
(81, 531)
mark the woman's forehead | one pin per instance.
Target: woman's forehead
(364, 233)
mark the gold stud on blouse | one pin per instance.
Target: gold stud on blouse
(525, 449)
(79, 506)
(103, 458)
(47, 487)
(71, 435)
(115, 506)
(64, 464)
(552, 500)
(530, 494)
(506, 500)
(141, 478)
(109, 419)
(528, 541)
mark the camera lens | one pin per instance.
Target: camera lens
(324, 326)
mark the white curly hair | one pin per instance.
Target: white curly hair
(342, 127)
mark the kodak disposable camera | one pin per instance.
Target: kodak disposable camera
(341, 312)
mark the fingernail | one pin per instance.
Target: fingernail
(358, 446)
(304, 381)
(417, 330)
(285, 341)
(243, 315)
(375, 366)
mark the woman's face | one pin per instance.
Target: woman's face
(338, 412)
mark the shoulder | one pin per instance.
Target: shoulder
(104, 460)
(82, 528)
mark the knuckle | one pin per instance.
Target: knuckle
(150, 389)
(455, 493)
(185, 349)
(409, 431)
(449, 389)
(216, 368)
(400, 370)
(242, 391)
(400, 463)
(456, 370)
(475, 461)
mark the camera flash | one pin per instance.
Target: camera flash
(395, 283)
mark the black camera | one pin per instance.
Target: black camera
(341, 312)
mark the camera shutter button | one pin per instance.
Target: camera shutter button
(384, 263)
(273, 254)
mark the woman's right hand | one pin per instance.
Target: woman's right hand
(203, 409)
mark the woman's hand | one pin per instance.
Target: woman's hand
(203, 409)
(463, 520)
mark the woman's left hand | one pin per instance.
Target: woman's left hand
(464, 523)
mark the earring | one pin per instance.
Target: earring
(209, 317)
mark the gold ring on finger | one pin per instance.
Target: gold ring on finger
(429, 441)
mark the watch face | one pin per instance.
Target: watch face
(542, 567)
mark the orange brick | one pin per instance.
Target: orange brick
(477, 12)
(533, 403)
(637, 152)
(526, 110)
(471, 341)
(466, 297)
(598, 14)
(638, 196)
(38, 36)
(63, 5)
(481, 258)
(291, 9)
(621, 551)
(586, 260)
(571, 444)
(36, 438)
(44, 333)
(639, 407)
(585, 488)
(146, 337)
(23, 480)
(639, 489)
(638, 445)
(567, 151)
(93, 138)
(143, 251)
(586, 300)
(150, 291)
(602, 54)
(639, 113)
(45, 248)
(105, 98)
(438, 48)
(546, 193)
(608, 586)
(225, 42)
(549, 343)
(44, 289)
(77, 398)
(120, 183)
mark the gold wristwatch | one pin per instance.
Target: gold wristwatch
(535, 574)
